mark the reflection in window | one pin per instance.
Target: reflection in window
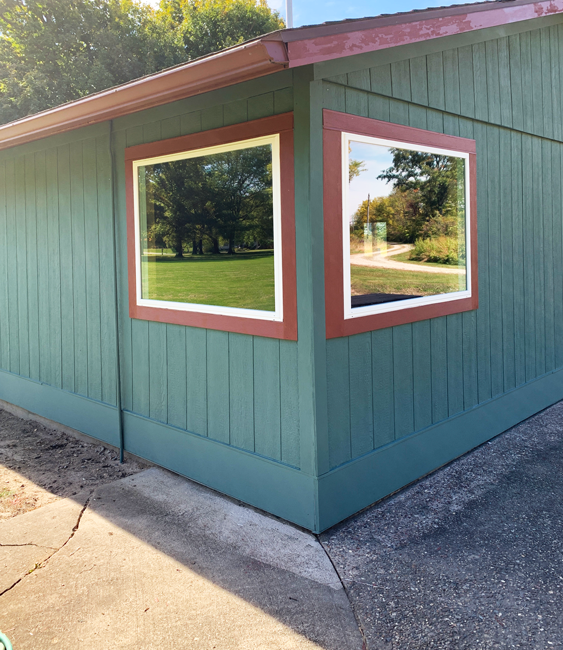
(206, 227)
(407, 220)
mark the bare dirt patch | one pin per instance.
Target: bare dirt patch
(39, 465)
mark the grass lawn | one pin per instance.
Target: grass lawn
(404, 257)
(244, 280)
(374, 280)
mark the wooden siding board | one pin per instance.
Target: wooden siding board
(401, 80)
(538, 256)
(466, 81)
(334, 97)
(557, 203)
(236, 112)
(493, 81)
(241, 395)
(218, 395)
(191, 123)
(382, 349)
(451, 81)
(92, 258)
(107, 271)
(196, 380)
(125, 323)
(158, 372)
(527, 90)
(213, 118)
(356, 102)
(518, 253)
(31, 253)
(435, 67)
(267, 406)
(289, 403)
(480, 81)
(176, 376)
(505, 90)
(379, 108)
(338, 390)
(536, 86)
(419, 80)
(260, 106)
(528, 226)
(507, 259)
(66, 257)
(21, 266)
(359, 79)
(283, 101)
(555, 80)
(516, 81)
(494, 270)
(361, 399)
(78, 269)
(43, 289)
(454, 328)
(11, 241)
(422, 375)
(4, 305)
(547, 213)
(546, 82)
(439, 352)
(53, 243)
(403, 380)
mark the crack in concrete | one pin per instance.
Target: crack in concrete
(358, 622)
(42, 564)
(52, 548)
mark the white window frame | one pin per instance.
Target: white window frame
(275, 316)
(357, 312)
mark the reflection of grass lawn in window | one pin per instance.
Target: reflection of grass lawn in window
(373, 280)
(244, 280)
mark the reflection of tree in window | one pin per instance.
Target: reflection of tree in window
(219, 198)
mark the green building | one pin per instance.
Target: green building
(304, 271)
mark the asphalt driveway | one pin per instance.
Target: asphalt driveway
(470, 557)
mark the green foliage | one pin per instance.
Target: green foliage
(426, 200)
(439, 250)
(55, 51)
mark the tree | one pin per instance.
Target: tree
(432, 177)
(55, 51)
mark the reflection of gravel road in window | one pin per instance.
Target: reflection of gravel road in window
(382, 261)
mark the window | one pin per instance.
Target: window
(211, 229)
(400, 206)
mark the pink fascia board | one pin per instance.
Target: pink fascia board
(333, 46)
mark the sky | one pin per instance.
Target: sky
(311, 12)
(376, 159)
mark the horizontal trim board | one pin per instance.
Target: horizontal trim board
(273, 487)
(360, 483)
(365, 60)
(96, 419)
(441, 111)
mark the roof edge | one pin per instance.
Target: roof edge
(386, 32)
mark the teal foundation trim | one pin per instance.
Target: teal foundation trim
(276, 488)
(356, 485)
(94, 418)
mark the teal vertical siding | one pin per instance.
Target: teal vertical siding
(505, 93)
(57, 298)
(230, 388)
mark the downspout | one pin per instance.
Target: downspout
(116, 302)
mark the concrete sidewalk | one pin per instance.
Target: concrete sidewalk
(156, 561)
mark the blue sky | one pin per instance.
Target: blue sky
(376, 159)
(311, 12)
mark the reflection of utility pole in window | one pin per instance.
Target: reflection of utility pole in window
(368, 239)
